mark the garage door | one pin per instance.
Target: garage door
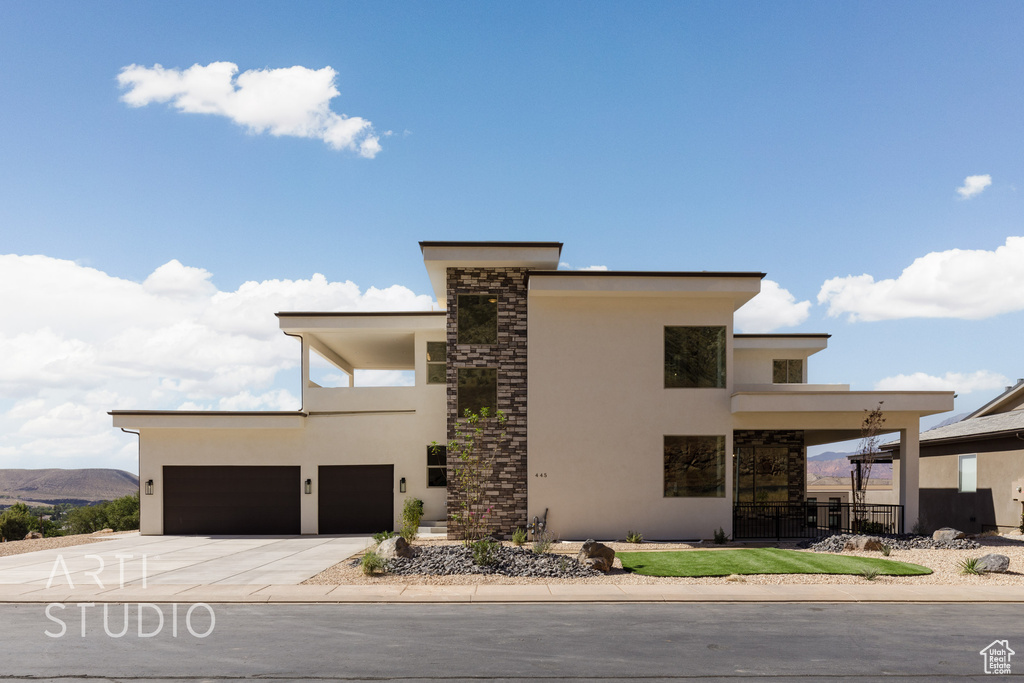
(356, 499)
(231, 500)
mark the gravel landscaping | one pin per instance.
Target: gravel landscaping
(447, 560)
(943, 561)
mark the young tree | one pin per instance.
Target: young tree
(475, 446)
(870, 433)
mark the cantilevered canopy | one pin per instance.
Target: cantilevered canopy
(439, 256)
(365, 341)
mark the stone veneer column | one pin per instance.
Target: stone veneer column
(791, 439)
(507, 484)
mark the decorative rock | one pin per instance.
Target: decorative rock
(993, 563)
(872, 543)
(947, 534)
(393, 548)
(33, 534)
(596, 555)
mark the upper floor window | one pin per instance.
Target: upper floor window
(478, 389)
(968, 465)
(437, 362)
(477, 319)
(695, 357)
(787, 371)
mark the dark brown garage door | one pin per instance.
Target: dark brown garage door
(214, 499)
(356, 499)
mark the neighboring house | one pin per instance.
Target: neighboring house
(972, 471)
(631, 404)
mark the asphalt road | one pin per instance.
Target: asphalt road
(551, 642)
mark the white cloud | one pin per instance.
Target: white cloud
(562, 265)
(76, 342)
(772, 309)
(974, 185)
(959, 283)
(962, 383)
(292, 101)
(594, 268)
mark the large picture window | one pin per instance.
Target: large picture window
(695, 357)
(478, 389)
(477, 319)
(695, 466)
(436, 362)
(761, 474)
(437, 466)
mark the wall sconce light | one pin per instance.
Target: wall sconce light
(401, 485)
(309, 486)
(149, 487)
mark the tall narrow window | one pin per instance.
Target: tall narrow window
(695, 466)
(477, 319)
(762, 474)
(787, 371)
(695, 357)
(478, 389)
(436, 362)
(968, 473)
(437, 466)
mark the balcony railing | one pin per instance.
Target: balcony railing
(813, 520)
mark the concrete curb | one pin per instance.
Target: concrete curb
(532, 593)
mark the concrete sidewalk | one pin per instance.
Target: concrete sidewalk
(535, 593)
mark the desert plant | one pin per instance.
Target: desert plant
(720, 536)
(412, 512)
(475, 446)
(542, 542)
(634, 537)
(519, 536)
(372, 563)
(870, 435)
(886, 549)
(969, 565)
(869, 574)
(16, 521)
(484, 551)
(1021, 527)
(919, 528)
(383, 536)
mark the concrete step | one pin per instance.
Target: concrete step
(433, 528)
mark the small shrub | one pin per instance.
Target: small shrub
(542, 542)
(383, 536)
(484, 552)
(634, 537)
(412, 512)
(969, 565)
(886, 549)
(1021, 523)
(869, 574)
(563, 564)
(372, 563)
(16, 521)
(919, 528)
(720, 536)
(519, 536)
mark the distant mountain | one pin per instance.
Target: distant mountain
(52, 486)
(832, 464)
(828, 455)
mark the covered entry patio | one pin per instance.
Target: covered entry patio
(773, 431)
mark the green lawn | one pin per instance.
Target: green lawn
(759, 561)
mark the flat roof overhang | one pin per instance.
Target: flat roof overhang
(801, 342)
(439, 256)
(740, 287)
(207, 419)
(377, 341)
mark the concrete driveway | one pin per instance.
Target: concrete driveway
(133, 560)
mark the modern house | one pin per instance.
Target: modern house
(630, 403)
(972, 471)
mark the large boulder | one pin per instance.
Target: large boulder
(993, 563)
(596, 555)
(32, 534)
(947, 534)
(393, 548)
(871, 543)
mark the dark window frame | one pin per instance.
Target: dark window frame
(679, 374)
(435, 453)
(465, 332)
(460, 407)
(793, 366)
(671, 488)
(434, 363)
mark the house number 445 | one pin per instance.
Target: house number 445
(540, 474)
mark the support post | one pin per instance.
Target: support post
(910, 451)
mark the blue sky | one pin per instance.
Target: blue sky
(811, 141)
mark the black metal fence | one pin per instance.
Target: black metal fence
(812, 520)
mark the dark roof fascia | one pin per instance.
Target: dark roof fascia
(793, 335)
(214, 413)
(873, 457)
(639, 273)
(543, 245)
(355, 314)
(980, 436)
